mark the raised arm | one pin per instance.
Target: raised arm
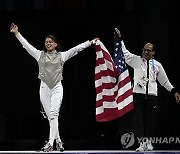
(130, 58)
(29, 48)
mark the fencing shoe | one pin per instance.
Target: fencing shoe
(59, 146)
(142, 147)
(149, 145)
(47, 147)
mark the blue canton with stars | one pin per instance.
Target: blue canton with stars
(119, 59)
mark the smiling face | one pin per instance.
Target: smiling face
(50, 45)
(148, 51)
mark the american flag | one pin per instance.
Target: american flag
(112, 82)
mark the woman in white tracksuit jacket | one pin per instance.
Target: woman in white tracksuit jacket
(50, 63)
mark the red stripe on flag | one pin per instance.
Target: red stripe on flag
(113, 89)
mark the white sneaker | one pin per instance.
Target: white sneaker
(142, 147)
(149, 145)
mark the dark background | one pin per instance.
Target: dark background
(22, 127)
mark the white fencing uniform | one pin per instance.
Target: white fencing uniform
(50, 74)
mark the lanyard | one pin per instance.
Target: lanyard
(153, 70)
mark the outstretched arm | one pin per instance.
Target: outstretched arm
(30, 49)
(75, 50)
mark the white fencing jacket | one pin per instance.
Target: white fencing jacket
(51, 64)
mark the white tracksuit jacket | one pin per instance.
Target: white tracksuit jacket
(156, 73)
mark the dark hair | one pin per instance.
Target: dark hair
(58, 47)
(153, 46)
